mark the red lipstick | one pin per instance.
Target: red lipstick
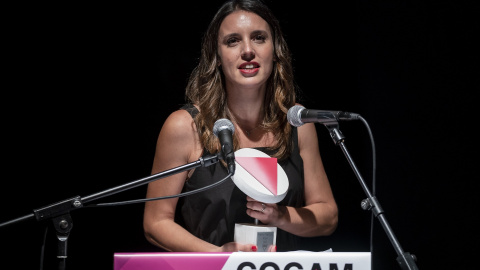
(249, 68)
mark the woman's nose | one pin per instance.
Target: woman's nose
(248, 54)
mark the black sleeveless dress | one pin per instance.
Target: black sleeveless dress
(211, 215)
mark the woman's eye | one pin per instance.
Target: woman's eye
(231, 41)
(260, 38)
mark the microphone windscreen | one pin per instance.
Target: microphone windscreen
(222, 124)
(294, 115)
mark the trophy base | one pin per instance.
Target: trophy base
(263, 236)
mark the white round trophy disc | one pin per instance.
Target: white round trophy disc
(259, 176)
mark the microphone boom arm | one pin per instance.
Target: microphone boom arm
(59, 212)
(405, 259)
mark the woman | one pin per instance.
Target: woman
(244, 74)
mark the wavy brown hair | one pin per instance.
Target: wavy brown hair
(206, 86)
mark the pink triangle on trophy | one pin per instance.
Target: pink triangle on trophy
(264, 169)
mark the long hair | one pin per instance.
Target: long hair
(206, 87)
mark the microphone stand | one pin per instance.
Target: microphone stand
(405, 259)
(59, 212)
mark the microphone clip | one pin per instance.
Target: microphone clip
(209, 160)
(335, 133)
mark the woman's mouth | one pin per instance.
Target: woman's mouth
(249, 69)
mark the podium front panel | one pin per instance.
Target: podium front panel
(242, 260)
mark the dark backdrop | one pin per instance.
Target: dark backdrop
(87, 88)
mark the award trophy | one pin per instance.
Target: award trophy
(263, 179)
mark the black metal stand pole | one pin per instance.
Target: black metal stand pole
(59, 212)
(405, 259)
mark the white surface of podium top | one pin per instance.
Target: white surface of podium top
(296, 260)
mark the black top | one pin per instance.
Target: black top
(211, 215)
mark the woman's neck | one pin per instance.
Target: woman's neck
(246, 105)
(246, 113)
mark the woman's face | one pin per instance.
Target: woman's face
(245, 47)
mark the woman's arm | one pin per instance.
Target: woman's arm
(177, 144)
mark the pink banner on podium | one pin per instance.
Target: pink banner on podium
(242, 260)
(170, 260)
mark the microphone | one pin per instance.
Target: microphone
(224, 129)
(298, 115)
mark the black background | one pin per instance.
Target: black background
(86, 89)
